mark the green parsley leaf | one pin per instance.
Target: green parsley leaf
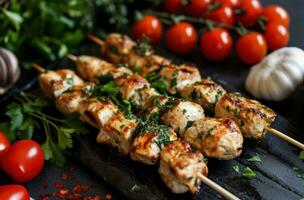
(255, 158)
(14, 111)
(236, 168)
(249, 173)
(65, 137)
(53, 153)
(14, 17)
(72, 121)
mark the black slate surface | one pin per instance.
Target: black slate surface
(276, 178)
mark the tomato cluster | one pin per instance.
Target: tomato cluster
(260, 29)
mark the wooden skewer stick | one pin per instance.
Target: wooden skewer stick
(72, 57)
(96, 39)
(285, 137)
(222, 191)
(39, 68)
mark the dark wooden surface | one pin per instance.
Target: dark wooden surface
(276, 178)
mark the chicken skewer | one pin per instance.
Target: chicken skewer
(218, 138)
(175, 152)
(253, 118)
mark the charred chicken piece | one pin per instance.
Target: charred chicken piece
(250, 115)
(55, 83)
(216, 138)
(205, 92)
(178, 77)
(180, 167)
(147, 145)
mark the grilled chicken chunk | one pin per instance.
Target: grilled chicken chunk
(180, 167)
(177, 77)
(143, 96)
(147, 145)
(54, 83)
(97, 112)
(216, 138)
(120, 131)
(181, 114)
(69, 101)
(250, 115)
(153, 108)
(205, 92)
(129, 85)
(117, 47)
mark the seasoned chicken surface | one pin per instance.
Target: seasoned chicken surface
(250, 115)
(117, 47)
(205, 92)
(129, 85)
(178, 77)
(147, 145)
(153, 109)
(216, 138)
(70, 101)
(143, 96)
(181, 114)
(180, 167)
(55, 83)
(120, 130)
(97, 112)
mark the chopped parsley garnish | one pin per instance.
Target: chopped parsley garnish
(200, 135)
(218, 95)
(235, 111)
(174, 80)
(156, 83)
(301, 155)
(249, 173)
(189, 123)
(143, 47)
(114, 49)
(70, 80)
(193, 95)
(210, 131)
(184, 111)
(236, 168)
(255, 158)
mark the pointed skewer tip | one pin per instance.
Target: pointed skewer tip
(72, 57)
(39, 68)
(95, 39)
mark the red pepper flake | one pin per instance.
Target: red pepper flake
(108, 196)
(58, 185)
(45, 186)
(77, 189)
(64, 176)
(44, 197)
(62, 193)
(85, 188)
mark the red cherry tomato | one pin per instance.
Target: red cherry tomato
(181, 38)
(149, 26)
(14, 192)
(251, 10)
(216, 45)
(251, 48)
(222, 14)
(4, 144)
(23, 161)
(276, 35)
(229, 3)
(173, 6)
(277, 14)
(196, 8)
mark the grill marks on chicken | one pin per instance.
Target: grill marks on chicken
(250, 115)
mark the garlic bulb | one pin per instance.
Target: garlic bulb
(277, 75)
(9, 70)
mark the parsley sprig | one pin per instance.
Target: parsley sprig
(27, 117)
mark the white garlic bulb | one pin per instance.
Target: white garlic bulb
(277, 75)
(9, 70)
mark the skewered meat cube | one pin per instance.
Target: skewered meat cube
(147, 145)
(205, 92)
(97, 112)
(142, 96)
(117, 47)
(120, 130)
(217, 138)
(129, 85)
(181, 114)
(250, 115)
(177, 77)
(180, 167)
(69, 101)
(55, 83)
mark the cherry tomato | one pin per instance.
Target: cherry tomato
(4, 144)
(14, 192)
(23, 161)
(276, 35)
(196, 8)
(229, 3)
(222, 14)
(173, 6)
(216, 45)
(251, 48)
(277, 14)
(149, 26)
(181, 38)
(251, 10)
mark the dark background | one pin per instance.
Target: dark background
(231, 71)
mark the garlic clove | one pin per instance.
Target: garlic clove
(3, 72)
